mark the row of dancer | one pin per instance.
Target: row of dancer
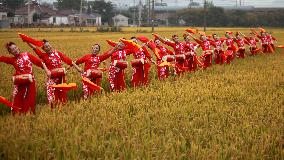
(183, 59)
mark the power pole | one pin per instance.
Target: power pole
(153, 15)
(204, 15)
(134, 14)
(149, 11)
(29, 13)
(139, 13)
(80, 18)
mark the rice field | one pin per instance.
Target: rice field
(225, 112)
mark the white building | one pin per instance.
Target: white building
(4, 21)
(120, 20)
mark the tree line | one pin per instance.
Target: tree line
(218, 17)
(215, 16)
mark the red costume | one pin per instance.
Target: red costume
(219, 55)
(92, 63)
(191, 59)
(116, 72)
(252, 45)
(264, 43)
(270, 42)
(207, 52)
(54, 61)
(241, 47)
(23, 94)
(179, 50)
(231, 50)
(140, 72)
(161, 51)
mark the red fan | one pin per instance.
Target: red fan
(103, 69)
(65, 86)
(257, 50)
(143, 39)
(190, 30)
(92, 85)
(130, 44)
(202, 33)
(155, 35)
(164, 64)
(111, 43)
(28, 39)
(153, 47)
(262, 29)
(6, 102)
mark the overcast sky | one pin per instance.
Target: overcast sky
(256, 3)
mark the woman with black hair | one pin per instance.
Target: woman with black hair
(56, 74)
(91, 69)
(24, 91)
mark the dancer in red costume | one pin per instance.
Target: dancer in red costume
(116, 69)
(241, 45)
(252, 42)
(191, 59)
(231, 48)
(270, 42)
(205, 45)
(161, 56)
(53, 60)
(24, 91)
(219, 55)
(140, 64)
(91, 69)
(263, 40)
(179, 51)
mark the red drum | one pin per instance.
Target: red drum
(22, 79)
(229, 53)
(94, 73)
(180, 58)
(188, 55)
(58, 72)
(120, 64)
(137, 62)
(168, 58)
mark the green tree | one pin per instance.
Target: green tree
(13, 4)
(69, 4)
(105, 9)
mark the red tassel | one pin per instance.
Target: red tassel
(143, 39)
(91, 85)
(130, 44)
(6, 102)
(190, 30)
(111, 43)
(28, 39)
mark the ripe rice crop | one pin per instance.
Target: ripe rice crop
(225, 112)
